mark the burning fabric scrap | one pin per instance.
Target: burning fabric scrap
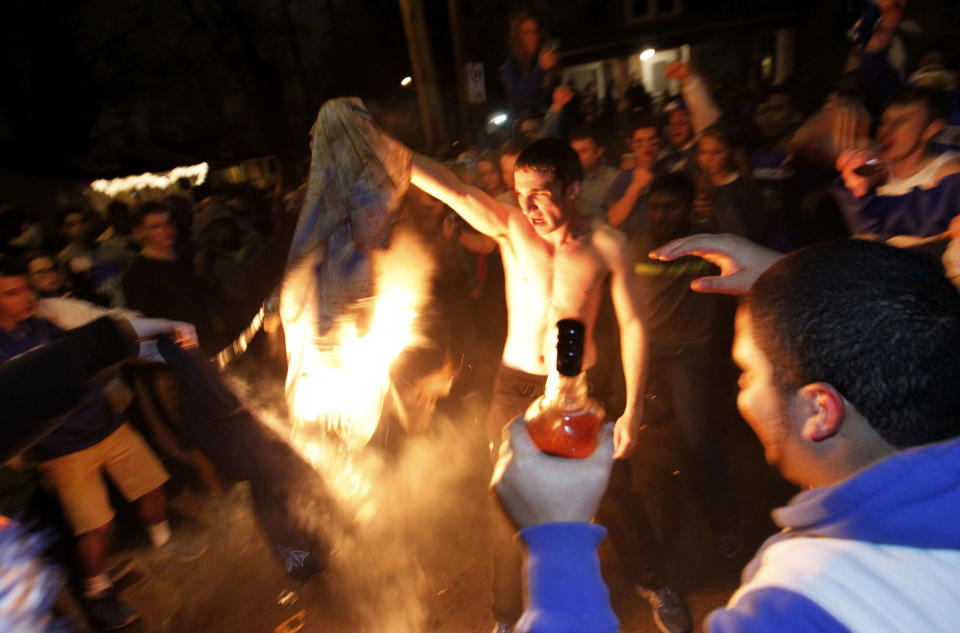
(348, 308)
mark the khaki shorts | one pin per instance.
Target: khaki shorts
(79, 484)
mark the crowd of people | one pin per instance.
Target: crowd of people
(174, 260)
(589, 193)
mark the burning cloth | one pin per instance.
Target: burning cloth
(358, 176)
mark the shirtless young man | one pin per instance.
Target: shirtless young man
(556, 263)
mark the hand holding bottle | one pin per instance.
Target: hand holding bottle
(861, 170)
(536, 488)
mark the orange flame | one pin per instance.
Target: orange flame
(338, 381)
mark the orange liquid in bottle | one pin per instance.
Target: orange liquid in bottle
(573, 434)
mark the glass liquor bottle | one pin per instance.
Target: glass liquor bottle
(565, 421)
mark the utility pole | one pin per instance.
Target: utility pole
(424, 74)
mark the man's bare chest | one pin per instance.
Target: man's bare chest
(561, 276)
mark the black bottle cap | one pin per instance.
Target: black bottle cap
(570, 334)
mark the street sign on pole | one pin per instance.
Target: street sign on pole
(476, 88)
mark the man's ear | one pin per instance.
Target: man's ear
(573, 189)
(824, 409)
(933, 129)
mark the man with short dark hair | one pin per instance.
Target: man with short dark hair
(683, 327)
(913, 190)
(849, 374)
(785, 181)
(848, 354)
(598, 176)
(556, 263)
(626, 198)
(94, 267)
(159, 284)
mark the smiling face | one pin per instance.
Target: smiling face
(542, 200)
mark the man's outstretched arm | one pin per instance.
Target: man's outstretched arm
(473, 205)
(625, 291)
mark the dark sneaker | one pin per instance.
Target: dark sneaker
(669, 612)
(184, 545)
(728, 544)
(106, 612)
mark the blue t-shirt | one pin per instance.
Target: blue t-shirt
(636, 223)
(89, 422)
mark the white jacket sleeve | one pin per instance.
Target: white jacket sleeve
(68, 314)
(700, 104)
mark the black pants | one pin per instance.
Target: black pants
(685, 377)
(621, 511)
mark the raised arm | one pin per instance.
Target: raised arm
(620, 210)
(473, 205)
(703, 109)
(625, 291)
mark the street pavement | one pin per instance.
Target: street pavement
(423, 564)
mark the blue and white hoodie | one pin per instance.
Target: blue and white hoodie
(877, 552)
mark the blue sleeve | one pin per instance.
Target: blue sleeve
(853, 209)
(773, 609)
(567, 592)
(920, 212)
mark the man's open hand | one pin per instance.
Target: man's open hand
(740, 260)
